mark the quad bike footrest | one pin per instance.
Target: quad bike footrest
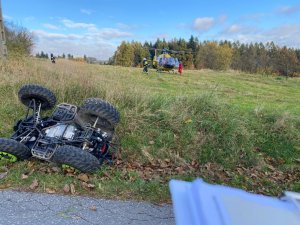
(43, 151)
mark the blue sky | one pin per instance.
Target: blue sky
(97, 27)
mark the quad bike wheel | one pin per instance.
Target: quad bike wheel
(99, 113)
(39, 93)
(76, 158)
(12, 150)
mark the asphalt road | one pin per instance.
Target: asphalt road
(37, 208)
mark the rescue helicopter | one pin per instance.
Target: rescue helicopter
(164, 61)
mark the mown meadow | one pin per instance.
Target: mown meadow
(226, 127)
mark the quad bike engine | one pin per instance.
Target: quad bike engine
(63, 131)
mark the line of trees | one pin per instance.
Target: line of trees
(42, 55)
(46, 56)
(267, 58)
(84, 59)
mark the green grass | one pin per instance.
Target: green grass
(230, 120)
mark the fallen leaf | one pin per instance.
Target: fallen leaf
(66, 188)
(3, 175)
(69, 170)
(83, 177)
(151, 142)
(24, 176)
(91, 185)
(72, 188)
(4, 186)
(87, 186)
(179, 169)
(31, 172)
(3, 172)
(55, 169)
(100, 187)
(93, 208)
(145, 151)
(272, 168)
(30, 164)
(43, 169)
(84, 185)
(163, 164)
(70, 174)
(3, 169)
(188, 121)
(50, 191)
(106, 174)
(118, 162)
(34, 184)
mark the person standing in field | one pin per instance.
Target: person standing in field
(180, 67)
(145, 64)
(52, 58)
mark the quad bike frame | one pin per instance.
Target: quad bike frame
(80, 137)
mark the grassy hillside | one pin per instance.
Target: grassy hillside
(227, 127)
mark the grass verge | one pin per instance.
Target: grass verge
(236, 129)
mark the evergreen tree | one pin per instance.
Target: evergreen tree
(124, 55)
(286, 61)
(139, 53)
(193, 44)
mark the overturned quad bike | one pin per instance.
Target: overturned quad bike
(79, 137)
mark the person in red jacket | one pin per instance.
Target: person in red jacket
(180, 68)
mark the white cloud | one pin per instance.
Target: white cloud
(123, 26)
(29, 19)
(239, 29)
(6, 17)
(288, 9)
(162, 36)
(99, 50)
(203, 23)
(222, 18)
(94, 42)
(126, 26)
(50, 26)
(45, 35)
(71, 24)
(254, 17)
(183, 26)
(109, 33)
(288, 34)
(86, 11)
(233, 28)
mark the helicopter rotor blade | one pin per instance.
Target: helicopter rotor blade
(170, 51)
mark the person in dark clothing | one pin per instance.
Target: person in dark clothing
(52, 58)
(145, 64)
